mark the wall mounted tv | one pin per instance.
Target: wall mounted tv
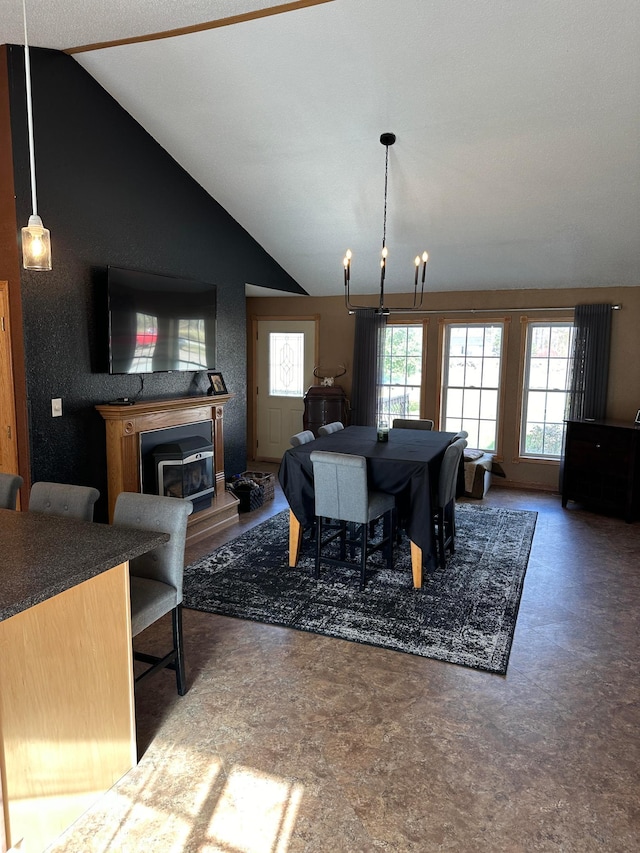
(159, 323)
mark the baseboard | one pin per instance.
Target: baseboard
(500, 483)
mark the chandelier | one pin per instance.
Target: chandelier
(420, 261)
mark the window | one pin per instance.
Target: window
(471, 382)
(546, 374)
(400, 373)
(286, 364)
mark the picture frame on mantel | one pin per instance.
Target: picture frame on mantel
(217, 383)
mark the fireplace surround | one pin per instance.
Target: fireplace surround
(126, 426)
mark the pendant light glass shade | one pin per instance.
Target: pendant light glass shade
(36, 245)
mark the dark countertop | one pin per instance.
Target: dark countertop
(44, 555)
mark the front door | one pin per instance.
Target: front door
(285, 358)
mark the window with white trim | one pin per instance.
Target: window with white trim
(400, 374)
(471, 374)
(544, 398)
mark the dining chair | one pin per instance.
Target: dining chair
(301, 438)
(327, 429)
(9, 488)
(342, 495)
(408, 423)
(63, 499)
(444, 516)
(155, 578)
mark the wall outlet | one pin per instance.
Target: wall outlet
(56, 407)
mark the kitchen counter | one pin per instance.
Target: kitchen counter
(44, 555)
(67, 715)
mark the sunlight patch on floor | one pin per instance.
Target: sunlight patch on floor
(255, 813)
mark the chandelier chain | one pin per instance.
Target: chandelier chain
(384, 219)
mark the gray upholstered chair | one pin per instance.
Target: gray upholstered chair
(342, 494)
(9, 488)
(444, 517)
(301, 438)
(408, 423)
(462, 434)
(156, 577)
(327, 429)
(63, 499)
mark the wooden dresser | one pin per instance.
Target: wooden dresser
(601, 467)
(324, 405)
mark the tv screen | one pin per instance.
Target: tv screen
(158, 323)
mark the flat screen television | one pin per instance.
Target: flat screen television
(159, 323)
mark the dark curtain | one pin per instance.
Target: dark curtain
(587, 396)
(367, 346)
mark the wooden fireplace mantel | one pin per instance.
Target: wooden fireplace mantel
(125, 423)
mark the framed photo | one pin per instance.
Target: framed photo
(217, 383)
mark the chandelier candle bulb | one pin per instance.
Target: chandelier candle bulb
(347, 267)
(425, 258)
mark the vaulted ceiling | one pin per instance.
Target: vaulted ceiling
(517, 160)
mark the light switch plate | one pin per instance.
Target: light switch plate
(56, 407)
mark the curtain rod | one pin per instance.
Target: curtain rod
(479, 310)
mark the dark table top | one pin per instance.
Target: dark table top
(44, 555)
(407, 466)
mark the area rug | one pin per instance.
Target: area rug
(464, 614)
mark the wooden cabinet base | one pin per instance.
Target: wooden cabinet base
(67, 720)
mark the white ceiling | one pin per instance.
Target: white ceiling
(517, 161)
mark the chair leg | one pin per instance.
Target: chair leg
(452, 527)
(441, 539)
(364, 541)
(176, 619)
(388, 533)
(318, 545)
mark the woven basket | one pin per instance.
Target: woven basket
(250, 496)
(267, 481)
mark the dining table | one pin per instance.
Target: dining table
(407, 466)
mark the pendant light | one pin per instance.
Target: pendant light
(420, 262)
(36, 240)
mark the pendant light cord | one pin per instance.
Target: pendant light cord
(27, 68)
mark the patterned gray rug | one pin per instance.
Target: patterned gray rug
(465, 614)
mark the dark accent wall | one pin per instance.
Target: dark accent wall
(111, 195)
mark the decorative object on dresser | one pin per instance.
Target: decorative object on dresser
(328, 376)
(601, 467)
